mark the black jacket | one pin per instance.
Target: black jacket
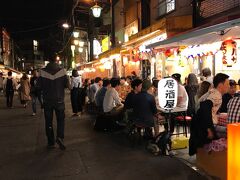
(52, 81)
(199, 125)
(144, 108)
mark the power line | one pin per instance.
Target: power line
(36, 29)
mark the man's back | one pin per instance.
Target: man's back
(144, 108)
(52, 81)
(100, 96)
(111, 99)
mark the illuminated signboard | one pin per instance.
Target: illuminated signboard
(130, 30)
(105, 44)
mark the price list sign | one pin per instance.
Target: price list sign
(167, 93)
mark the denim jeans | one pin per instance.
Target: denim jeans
(49, 108)
(34, 102)
(9, 96)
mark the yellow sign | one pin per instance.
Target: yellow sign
(105, 44)
(160, 25)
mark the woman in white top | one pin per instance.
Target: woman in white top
(76, 84)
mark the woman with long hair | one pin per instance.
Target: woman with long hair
(204, 87)
(192, 89)
(24, 90)
(76, 84)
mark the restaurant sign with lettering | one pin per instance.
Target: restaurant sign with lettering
(167, 93)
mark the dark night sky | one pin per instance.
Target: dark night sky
(36, 19)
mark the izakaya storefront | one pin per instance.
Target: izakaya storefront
(137, 57)
(108, 65)
(193, 51)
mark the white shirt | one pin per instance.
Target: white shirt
(111, 100)
(76, 82)
(183, 105)
(93, 91)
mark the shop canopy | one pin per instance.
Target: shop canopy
(208, 35)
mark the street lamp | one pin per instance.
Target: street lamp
(65, 25)
(96, 10)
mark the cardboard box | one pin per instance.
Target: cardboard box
(214, 163)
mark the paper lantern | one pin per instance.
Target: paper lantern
(233, 155)
(167, 93)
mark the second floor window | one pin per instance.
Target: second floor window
(165, 6)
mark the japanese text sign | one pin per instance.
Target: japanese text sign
(167, 93)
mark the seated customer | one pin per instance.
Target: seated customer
(233, 110)
(229, 95)
(204, 126)
(145, 107)
(124, 88)
(129, 101)
(101, 94)
(136, 88)
(112, 102)
(182, 99)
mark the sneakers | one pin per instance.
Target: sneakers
(75, 115)
(51, 146)
(60, 143)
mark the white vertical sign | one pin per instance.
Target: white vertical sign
(167, 93)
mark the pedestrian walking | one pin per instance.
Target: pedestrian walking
(24, 90)
(9, 85)
(35, 93)
(1, 82)
(76, 101)
(52, 81)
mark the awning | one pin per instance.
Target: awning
(110, 52)
(143, 38)
(215, 33)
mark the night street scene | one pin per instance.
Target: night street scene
(120, 90)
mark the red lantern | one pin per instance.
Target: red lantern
(168, 52)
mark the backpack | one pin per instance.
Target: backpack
(9, 85)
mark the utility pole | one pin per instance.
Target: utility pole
(113, 25)
(12, 53)
(1, 46)
(91, 35)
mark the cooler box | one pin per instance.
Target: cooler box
(179, 142)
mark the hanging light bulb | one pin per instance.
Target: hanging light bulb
(76, 34)
(81, 43)
(80, 49)
(76, 42)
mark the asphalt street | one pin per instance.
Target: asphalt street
(89, 154)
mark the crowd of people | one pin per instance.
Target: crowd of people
(120, 95)
(129, 99)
